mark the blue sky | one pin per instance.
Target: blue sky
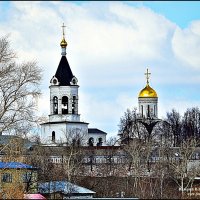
(110, 45)
(180, 12)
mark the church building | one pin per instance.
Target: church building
(64, 124)
(148, 101)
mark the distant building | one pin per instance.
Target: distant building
(64, 123)
(64, 190)
(14, 148)
(17, 178)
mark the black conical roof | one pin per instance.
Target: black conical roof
(64, 73)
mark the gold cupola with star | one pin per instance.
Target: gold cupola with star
(148, 100)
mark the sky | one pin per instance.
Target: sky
(110, 45)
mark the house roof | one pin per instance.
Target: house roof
(15, 165)
(64, 73)
(96, 131)
(5, 139)
(62, 186)
(33, 196)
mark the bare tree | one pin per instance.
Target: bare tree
(191, 123)
(18, 89)
(181, 170)
(130, 128)
(174, 119)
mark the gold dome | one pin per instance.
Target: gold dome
(148, 92)
(63, 43)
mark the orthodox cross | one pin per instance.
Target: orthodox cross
(147, 75)
(63, 27)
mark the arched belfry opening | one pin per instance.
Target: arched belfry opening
(65, 103)
(55, 105)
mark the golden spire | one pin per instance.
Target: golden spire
(63, 43)
(147, 74)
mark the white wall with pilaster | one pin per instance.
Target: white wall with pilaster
(144, 103)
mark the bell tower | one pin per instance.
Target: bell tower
(64, 120)
(148, 100)
(64, 90)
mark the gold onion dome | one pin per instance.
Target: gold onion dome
(148, 91)
(63, 43)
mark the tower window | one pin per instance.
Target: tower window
(55, 105)
(73, 104)
(65, 105)
(142, 110)
(148, 111)
(53, 136)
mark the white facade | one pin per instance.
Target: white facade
(64, 132)
(148, 107)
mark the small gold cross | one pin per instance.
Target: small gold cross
(63, 27)
(147, 74)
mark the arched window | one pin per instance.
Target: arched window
(65, 105)
(91, 141)
(73, 104)
(53, 136)
(100, 142)
(154, 110)
(55, 105)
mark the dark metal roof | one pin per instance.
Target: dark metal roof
(64, 73)
(95, 131)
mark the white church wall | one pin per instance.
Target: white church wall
(78, 130)
(47, 129)
(66, 117)
(64, 131)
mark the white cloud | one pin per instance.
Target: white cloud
(186, 44)
(110, 44)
